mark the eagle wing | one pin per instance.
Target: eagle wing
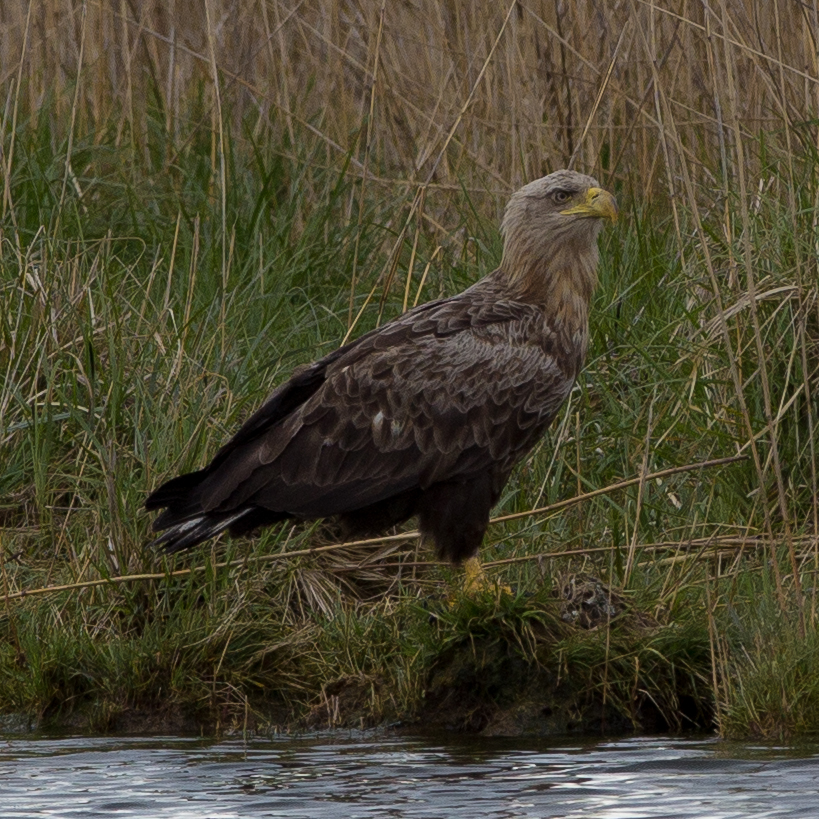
(437, 395)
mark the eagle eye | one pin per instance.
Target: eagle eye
(561, 197)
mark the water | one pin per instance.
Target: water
(378, 775)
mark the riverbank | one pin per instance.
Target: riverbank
(176, 236)
(571, 657)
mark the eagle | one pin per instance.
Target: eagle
(428, 414)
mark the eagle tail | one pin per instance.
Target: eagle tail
(184, 522)
(190, 531)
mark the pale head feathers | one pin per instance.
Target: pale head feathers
(550, 230)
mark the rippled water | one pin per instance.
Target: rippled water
(372, 775)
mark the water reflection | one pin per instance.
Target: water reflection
(371, 775)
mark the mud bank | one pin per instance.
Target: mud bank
(579, 658)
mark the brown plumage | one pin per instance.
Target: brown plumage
(428, 414)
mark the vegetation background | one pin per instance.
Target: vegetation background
(199, 196)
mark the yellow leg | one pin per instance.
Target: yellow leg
(475, 579)
(474, 576)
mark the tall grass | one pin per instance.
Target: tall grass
(199, 197)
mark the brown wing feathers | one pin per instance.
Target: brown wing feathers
(425, 416)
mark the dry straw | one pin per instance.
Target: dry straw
(483, 94)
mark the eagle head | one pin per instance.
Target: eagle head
(550, 229)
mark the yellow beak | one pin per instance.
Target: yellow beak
(598, 203)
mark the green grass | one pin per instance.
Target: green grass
(144, 319)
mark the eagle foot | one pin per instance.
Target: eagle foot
(476, 580)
